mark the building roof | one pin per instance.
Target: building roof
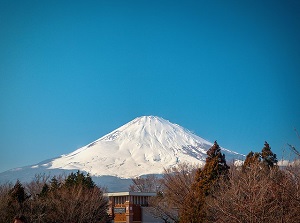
(130, 193)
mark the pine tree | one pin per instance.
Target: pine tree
(17, 199)
(18, 193)
(214, 168)
(79, 179)
(205, 180)
(269, 158)
(45, 191)
(54, 184)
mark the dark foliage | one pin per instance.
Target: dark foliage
(206, 179)
(73, 199)
(268, 157)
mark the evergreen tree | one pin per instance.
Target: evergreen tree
(54, 184)
(45, 191)
(266, 158)
(55, 202)
(18, 193)
(205, 180)
(16, 200)
(79, 179)
(214, 168)
(269, 158)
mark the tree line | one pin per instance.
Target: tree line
(74, 198)
(258, 191)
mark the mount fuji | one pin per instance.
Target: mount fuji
(146, 145)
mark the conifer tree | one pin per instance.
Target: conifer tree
(54, 184)
(205, 180)
(45, 191)
(214, 168)
(18, 193)
(17, 198)
(79, 179)
(268, 157)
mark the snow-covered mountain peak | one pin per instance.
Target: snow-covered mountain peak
(145, 122)
(151, 131)
(145, 145)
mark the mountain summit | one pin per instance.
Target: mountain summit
(146, 145)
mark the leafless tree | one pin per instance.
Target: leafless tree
(5, 216)
(175, 187)
(35, 186)
(257, 195)
(148, 183)
(77, 204)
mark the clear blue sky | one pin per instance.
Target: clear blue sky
(72, 71)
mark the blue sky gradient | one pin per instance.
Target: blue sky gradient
(72, 71)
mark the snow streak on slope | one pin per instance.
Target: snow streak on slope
(145, 145)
